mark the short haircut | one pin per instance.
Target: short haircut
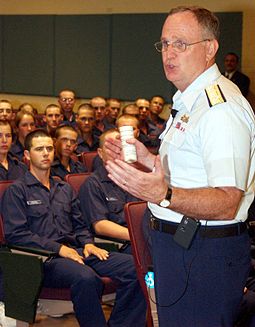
(85, 105)
(6, 123)
(103, 136)
(158, 96)
(108, 101)
(233, 54)
(205, 18)
(127, 116)
(22, 107)
(30, 136)
(97, 98)
(127, 106)
(66, 90)
(52, 105)
(65, 127)
(20, 115)
(6, 101)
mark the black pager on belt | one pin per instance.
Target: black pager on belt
(186, 231)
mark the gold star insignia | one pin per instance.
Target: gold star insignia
(185, 118)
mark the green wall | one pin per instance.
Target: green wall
(107, 55)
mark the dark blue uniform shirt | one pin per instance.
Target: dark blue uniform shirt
(160, 124)
(108, 125)
(15, 170)
(151, 139)
(69, 122)
(83, 146)
(35, 216)
(102, 199)
(17, 149)
(97, 162)
(57, 169)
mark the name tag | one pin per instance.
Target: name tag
(34, 202)
(111, 199)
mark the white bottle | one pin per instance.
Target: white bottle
(129, 150)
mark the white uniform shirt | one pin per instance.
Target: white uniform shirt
(209, 146)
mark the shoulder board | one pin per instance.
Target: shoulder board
(214, 95)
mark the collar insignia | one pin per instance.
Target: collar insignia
(185, 118)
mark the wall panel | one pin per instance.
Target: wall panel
(82, 54)
(107, 55)
(136, 65)
(28, 54)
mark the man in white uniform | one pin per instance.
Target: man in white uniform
(202, 183)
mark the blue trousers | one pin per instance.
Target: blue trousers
(202, 286)
(86, 289)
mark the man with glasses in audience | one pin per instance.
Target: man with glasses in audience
(99, 105)
(88, 139)
(201, 185)
(66, 100)
(53, 118)
(41, 212)
(65, 146)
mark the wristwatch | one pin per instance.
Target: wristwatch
(167, 200)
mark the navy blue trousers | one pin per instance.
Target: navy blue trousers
(86, 289)
(202, 286)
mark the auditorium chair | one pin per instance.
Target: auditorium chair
(134, 212)
(76, 180)
(87, 159)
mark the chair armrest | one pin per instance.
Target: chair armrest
(111, 243)
(45, 254)
(112, 239)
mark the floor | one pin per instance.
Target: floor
(65, 321)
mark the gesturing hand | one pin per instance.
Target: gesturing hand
(146, 186)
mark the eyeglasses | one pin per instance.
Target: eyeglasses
(65, 140)
(178, 45)
(67, 99)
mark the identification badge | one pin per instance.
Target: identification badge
(33, 202)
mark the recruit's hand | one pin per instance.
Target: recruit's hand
(98, 252)
(70, 253)
(146, 186)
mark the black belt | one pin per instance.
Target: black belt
(204, 231)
